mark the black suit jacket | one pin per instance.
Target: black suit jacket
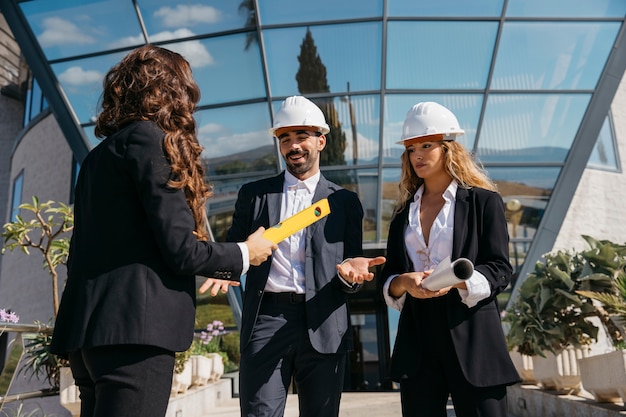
(133, 257)
(480, 235)
(328, 242)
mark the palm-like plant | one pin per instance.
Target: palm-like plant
(552, 307)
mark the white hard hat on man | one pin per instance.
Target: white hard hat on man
(429, 121)
(298, 111)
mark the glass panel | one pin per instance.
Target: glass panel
(604, 154)
(525, 191)
(365, 183)
(224, 68)
(566, 8)
(552, 55)
(16, 198)
(289, 11)
(324, 59)
(354, 129)
(81, 81)
(390, 195)
(76, 27)
(451, 54)
(530, 128)
(185, 18)
(461, 8)
(11, 369)
(236, 140)
(466, 107)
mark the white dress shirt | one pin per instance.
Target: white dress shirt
(287, 269)
(427, 256)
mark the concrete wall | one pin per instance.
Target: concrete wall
(597, 208)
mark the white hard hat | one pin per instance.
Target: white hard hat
(299, 111)
(430, 118)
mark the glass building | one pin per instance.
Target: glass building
(531, 82)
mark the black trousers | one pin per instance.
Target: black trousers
(280, 350)
(123, 380)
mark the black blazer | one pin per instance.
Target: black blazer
(328, 242)
(480, 234)
(133, 257)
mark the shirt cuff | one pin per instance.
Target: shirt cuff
(395, 303)
(477, 289)
(245, 257)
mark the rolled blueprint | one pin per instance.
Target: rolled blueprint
(449, 273)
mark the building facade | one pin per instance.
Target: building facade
(539, 89)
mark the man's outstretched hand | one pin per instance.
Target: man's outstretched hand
(356, 270)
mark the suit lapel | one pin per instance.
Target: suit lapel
(274, 199)
(460, 221)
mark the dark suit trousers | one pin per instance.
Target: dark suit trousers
(278, 351)
(440, 376)
(123, 380)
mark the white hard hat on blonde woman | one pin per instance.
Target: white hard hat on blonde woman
(427, 119)
(299, 111)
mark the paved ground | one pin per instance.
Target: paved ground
(353, 404)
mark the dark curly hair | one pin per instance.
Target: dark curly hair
(156, 84)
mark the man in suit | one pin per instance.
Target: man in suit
(296, 322)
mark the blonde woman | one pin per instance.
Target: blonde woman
(450, 341)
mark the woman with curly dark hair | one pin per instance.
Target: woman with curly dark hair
(139, 240)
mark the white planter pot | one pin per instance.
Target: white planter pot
(524, 366)
(201, 370)
(69, 395)
(218, 366)
(560, 372)
(604, 376)
(182, 381)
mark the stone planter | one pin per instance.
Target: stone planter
(604, 376)
(560, 372)
(201, 370)
(69, 395)
(218, 366)
(524, 366)
(181, 381)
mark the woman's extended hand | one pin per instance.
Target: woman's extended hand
(217, 285)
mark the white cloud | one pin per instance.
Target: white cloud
(220, 141)
(188, 15)
(76, 76)
(59, 31)
(193, 51)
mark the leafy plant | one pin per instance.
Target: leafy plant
(47, 232)
(551, 309)
(180, 359)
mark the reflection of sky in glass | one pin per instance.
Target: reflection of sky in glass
(350, 53)
(199, 16)
(566, 8)
(538, 181)
(289, 11)
(223, 69)
(466, 108)
(552, 55)
(82, 83)
(439, 54)
(530, 128)
(366, 113)
(445, 8)
(604, 154)
(74, 27)
(232, 130)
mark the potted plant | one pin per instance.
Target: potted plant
(604, 375)
(549, 318)
(181, 379)
(47, 231)
(208, 346)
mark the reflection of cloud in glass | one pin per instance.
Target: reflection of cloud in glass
(76, 76)
(59, 31)
(184, 15)
(218, 140)
(193, 51)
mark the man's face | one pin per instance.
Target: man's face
(301, 147)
